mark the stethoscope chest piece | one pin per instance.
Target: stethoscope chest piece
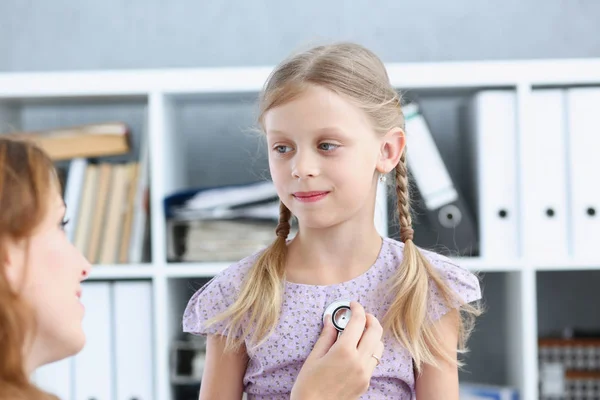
(339, 312)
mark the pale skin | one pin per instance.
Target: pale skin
(321, 142)
(433, 382)
(50, 258)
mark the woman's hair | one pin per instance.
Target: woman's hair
(26, 174)
(357, 74)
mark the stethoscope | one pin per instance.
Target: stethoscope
(340, 314)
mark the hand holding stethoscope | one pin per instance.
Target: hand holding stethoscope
(344, 358)
(340, 312)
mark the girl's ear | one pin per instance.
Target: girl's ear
(392, 147)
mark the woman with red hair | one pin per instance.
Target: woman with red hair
(40, 271)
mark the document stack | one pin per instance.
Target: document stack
(224, 223)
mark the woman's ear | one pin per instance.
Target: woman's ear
(13, 263)
(392, 147)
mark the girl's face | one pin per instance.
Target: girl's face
(324, 158)
(49, 273)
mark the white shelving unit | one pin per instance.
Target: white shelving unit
(160, 90)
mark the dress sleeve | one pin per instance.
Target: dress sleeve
(461, 281)
(211, 300)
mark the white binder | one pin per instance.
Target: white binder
(133, 340)
(545, 176)
(93, 365)
(584, 134)
(494, 149)
(73, 193)
(56, 378)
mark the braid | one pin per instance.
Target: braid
(260, 297)
(406, 231)
(283, 227)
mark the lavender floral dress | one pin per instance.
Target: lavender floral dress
(273, 367)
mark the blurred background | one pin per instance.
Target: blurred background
(153, 247)
(114, 34)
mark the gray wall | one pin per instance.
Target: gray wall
(100, 34)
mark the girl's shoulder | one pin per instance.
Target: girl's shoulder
(444, 265)
(215, 296)
(461, 281)
(233, 275)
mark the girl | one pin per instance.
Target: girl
(334, 127)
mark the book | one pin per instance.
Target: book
(83, 141)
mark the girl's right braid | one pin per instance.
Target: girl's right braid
(406, 231)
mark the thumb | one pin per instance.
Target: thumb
(325, 341)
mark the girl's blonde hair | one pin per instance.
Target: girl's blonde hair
(357, 74)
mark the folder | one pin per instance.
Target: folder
(134, 359)
(93, 366)
(56, 378)
(446, 208)
(492, 144)
(545, 176)
(584, 161)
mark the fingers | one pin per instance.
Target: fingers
(371, 337)
(355, 328)
(364, 334)
(325, 341)
(373, 362)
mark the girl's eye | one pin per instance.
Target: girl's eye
(282, 149)
(328, 146)
(63, 223)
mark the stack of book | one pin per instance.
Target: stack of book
(223, 223)
(81, 141)
(106, 218)
(106, 200)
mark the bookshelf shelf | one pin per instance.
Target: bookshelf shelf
(477, 74)
(568, 265)
(195, 270)
(477, 264)
(209, 269)
(133, 271)
(171, 108)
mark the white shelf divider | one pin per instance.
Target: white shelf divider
(122, 271)
(196, 270)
